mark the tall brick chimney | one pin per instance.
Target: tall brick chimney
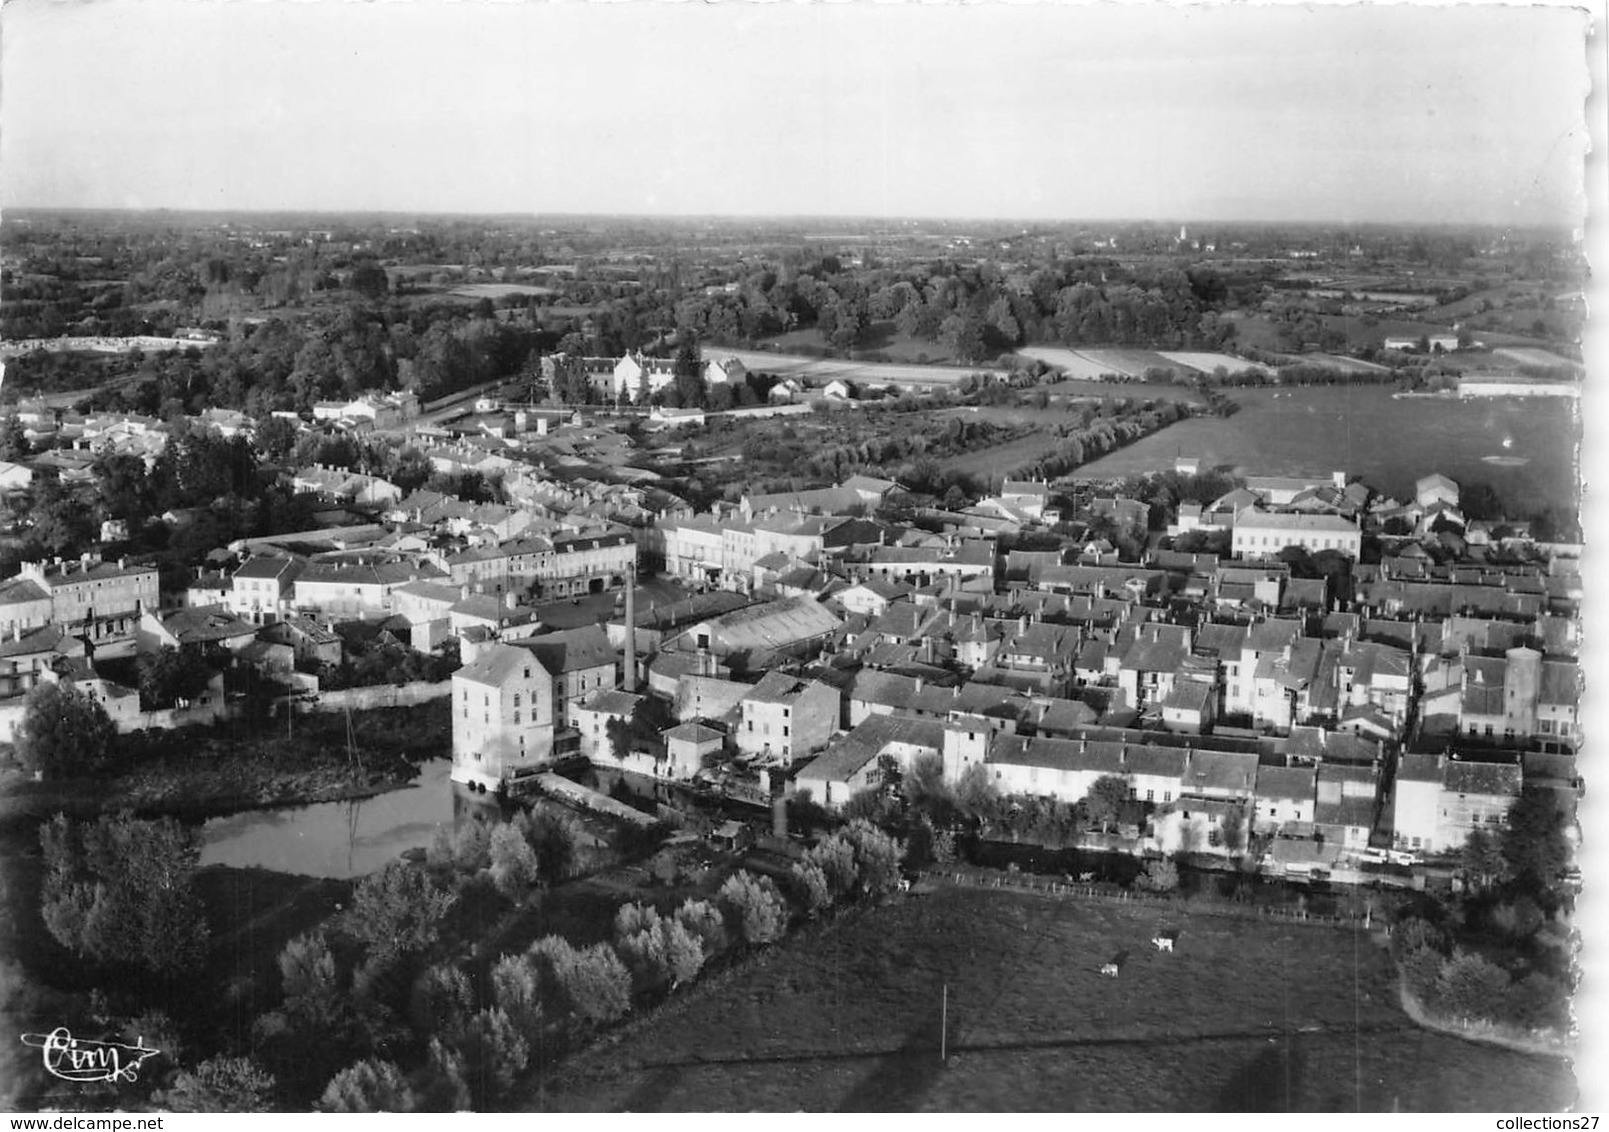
(630, 682)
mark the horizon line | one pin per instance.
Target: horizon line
(858, 218)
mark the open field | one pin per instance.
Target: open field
(1138, 390)
(819, 371)
(1246, 1016)
(1004, 458)
(1530, 356)
(1092, 364)
(880, 338)
(499, 290)
(1132, 362)
(1340, 362)
(1206, 362)
(1078, 367)
(1389, 442)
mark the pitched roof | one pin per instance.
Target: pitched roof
(366, 573)
(1298, 783)
(268, 567)
(1353, 811)
(1419, 768)
(1561, 683)
(849, 753)
(310, 629)
(494, 665)
(691, 732)
(1464, 777)
(1284, 521)
(15, 591)
(773, 624)
(1188, 695)
(1220, 770)
(201, 624)
(572, 650)
(614, 702)
(43, 639)
(777, 688)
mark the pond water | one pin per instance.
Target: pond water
(1388, 442)
(337, 839)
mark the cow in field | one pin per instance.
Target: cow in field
(904, 885)
(1163, 943)
(1109, 970)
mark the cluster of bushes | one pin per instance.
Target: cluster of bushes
(533, 847)
(859, 862)
(383, 661)
(1460, 985)
(119, 891)
(1103, 435)
(485, 1038)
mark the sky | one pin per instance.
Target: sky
(986, 110)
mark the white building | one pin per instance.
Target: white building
(1260, 534)
(502, 716)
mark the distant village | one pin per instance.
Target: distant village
(802, 646)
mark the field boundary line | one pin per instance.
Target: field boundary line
(1086, 890)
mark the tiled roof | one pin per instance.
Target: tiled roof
(1220, 770)
(614, 703)
(1298, 783)
(1464, 777)
(1357, 812)
(572, 650)
(14, 591)
(494, 665)
(263, 566)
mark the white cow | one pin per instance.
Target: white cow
(1109, 970)
(904, 885)
(1163, 943)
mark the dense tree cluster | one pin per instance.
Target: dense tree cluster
(63, 732)
(976, 311)
(119, 890)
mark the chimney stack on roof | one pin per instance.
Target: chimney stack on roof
(630, 674)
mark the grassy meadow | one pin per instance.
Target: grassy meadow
(1245, 1016)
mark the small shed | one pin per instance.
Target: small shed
(731, 836)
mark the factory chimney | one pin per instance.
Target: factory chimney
(631, 631)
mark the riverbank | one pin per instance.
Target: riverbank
(202, 773)
(1486, 1033)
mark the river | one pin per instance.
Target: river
(336, 839)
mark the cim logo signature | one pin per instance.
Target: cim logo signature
(75, 1059)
